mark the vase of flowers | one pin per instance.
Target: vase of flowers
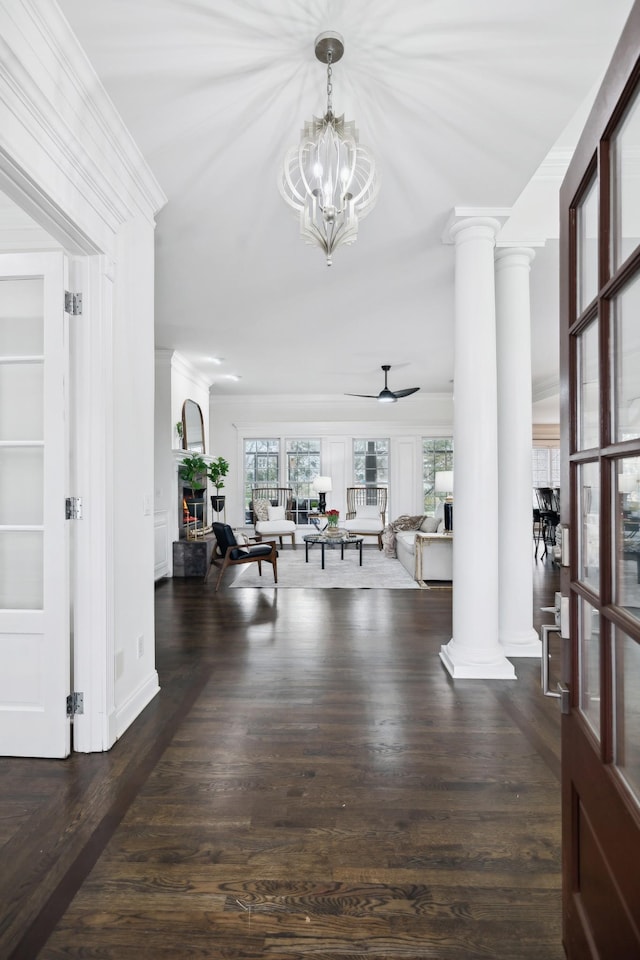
(332, 522)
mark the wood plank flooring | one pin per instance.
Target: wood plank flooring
(308, 783)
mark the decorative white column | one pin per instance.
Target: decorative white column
(515, 549)
(474, 650)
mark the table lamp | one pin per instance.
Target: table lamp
(322, 486)
(444, 484)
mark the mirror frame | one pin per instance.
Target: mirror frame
(190, 440)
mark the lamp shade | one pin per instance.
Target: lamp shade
(444, 481)
(322, 485)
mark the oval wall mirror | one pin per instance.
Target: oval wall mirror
(192, 427)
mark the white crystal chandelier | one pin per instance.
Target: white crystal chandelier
(329, 178)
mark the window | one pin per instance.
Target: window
(371, 463)
(261, 466)
(437, 455)
(303, 464)
(545, 463)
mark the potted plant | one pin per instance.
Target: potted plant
(218, 469)
(193, 470)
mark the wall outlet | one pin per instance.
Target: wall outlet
(140, 646)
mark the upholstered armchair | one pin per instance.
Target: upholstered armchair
(273, 513)
(366, 509)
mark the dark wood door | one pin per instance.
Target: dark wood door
(600, 364)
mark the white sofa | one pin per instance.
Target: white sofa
(426, 556)
(427, 553)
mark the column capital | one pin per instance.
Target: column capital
(514, 256)
(481, 222)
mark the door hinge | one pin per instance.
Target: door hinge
(75, 704)
(73, 508)
(73, 303)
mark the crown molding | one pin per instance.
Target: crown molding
(185, 368)
(554, 166)
(63, 146)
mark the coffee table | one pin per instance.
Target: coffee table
(342, 541)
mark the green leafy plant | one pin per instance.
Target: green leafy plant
(217, 470)
(193, 470)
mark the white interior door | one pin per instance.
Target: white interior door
(34, 574)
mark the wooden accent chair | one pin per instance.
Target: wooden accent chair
(229, 552)
(273, 513)
(366, 509)
(548, 517)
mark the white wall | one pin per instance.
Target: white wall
(133, 465)
(336, 421)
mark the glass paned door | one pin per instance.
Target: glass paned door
(600, 408)
(589, 659)
(34, 579)
(626, 544)
(588, 498)
(587, 275)
(625, 310)
(21, 443)
(625, 151)
(627, 710)
(589, 392)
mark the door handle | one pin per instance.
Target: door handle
(565, 698)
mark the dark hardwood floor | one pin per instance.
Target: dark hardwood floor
(308, 783)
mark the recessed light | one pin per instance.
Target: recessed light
(215, 359)
(232, 376)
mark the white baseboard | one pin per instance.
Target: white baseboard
(135, 704)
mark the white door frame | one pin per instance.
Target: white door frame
(92, 539)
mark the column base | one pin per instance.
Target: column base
(499, 669)
(528, 644)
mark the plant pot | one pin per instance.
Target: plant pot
(217, 503)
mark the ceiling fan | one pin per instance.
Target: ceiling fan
(386, 395)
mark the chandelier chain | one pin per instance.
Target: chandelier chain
(329, 84)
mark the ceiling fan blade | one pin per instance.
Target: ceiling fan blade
(386, 395)
(406, 393)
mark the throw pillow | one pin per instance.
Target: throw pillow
(368, 513)
(275, 513)
(429, 525)
(261, 509)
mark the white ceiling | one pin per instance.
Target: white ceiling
(460, 102)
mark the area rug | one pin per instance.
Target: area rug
(377, 571)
